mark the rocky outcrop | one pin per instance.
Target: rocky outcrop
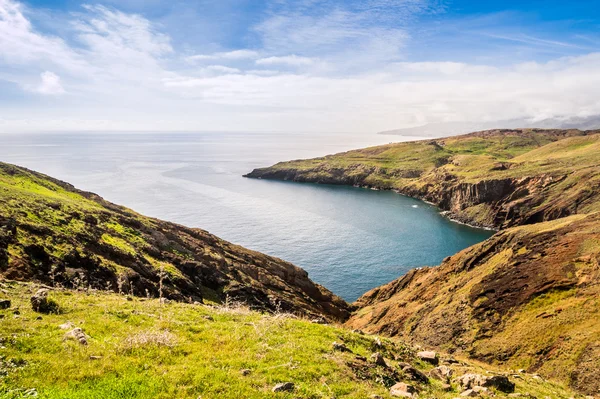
(55, 234)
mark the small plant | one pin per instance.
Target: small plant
(161, 277)
(120, 284)
(53, 275)
(149, 338)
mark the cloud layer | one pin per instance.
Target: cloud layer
(306, 65)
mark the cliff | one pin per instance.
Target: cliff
(52, 233)
(528, 297)
(495, 179)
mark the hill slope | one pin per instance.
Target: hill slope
(529, 297)
(497, 178)
(140, 349)
(53, 233)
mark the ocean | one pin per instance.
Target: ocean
(348, 239)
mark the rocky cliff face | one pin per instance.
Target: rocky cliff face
(529, 296)
(53, 233)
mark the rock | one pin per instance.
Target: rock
(412, 373)
(469, 393)
(403, 390)
(66, 326)
(92, 357)
(361, 358)
(378, 359)
(284, 387)
(481, 390)
(500, 382)
(319, 320)
(340, 347)
(377, 342)
(129, 298)
(442, 373)
(76, 334)
(429, 357)
(245, 372)
(209, 318)
(41, 303)
(360, 332)
(39, 318)
(4, 303)
(446, 387)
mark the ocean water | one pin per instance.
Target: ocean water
(348, 239)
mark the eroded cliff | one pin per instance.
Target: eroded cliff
(495, 179)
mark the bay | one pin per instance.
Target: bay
(349, 239)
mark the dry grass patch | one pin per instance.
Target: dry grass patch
(149, 339)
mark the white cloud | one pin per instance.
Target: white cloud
(229, 55)
(336, 71)
(293, 60)
(50, 84)
(221, 69)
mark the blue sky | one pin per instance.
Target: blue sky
(282, 65)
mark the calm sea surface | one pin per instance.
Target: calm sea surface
(348, 239)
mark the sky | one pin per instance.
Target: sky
(293, 66)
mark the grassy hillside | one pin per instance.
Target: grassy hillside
(528, 297)
(53, 233)
(144, 349)
(496, 178)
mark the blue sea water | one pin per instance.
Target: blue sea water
(348, 239)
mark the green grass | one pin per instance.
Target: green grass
(199, 353)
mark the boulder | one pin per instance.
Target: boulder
(76, 334)
(41, 303)
(403, 390)
(66, 326)
(429, 357)
(412, 373)
(442, 373)
(499, 382)
(340, 347)
(284, 387)
(378, 359)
